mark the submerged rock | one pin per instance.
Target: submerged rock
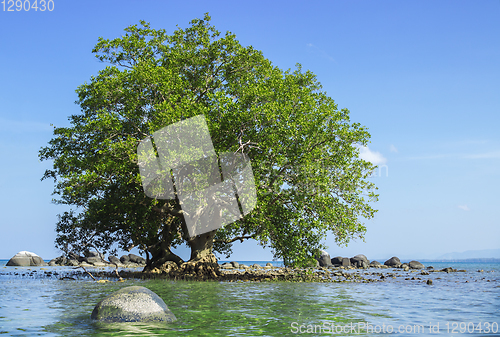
(26, 259)
(133, 304)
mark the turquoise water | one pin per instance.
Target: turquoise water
(36, 305)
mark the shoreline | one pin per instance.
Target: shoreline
(263, 274)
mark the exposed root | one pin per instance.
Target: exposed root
(202, 269)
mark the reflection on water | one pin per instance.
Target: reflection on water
(51, 307)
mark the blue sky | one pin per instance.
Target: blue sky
(423, 76)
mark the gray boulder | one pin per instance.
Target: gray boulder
(360, 261)
(58, 261)
(235, 264)
(324, 259)
(94, 254)
(375, 264)
(125, 259)
(114, 260)
(76, 257)
(26, 259)
(346, 262)
(416, 265)
(226, 265)
(362, 257)
(132, 304)
(96, 259)
(136, 259)
(337, 261)
(93, 260)
(393, 262)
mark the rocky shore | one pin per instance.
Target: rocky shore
(338, 269)
(255, 273)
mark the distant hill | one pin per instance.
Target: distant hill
(472, 254)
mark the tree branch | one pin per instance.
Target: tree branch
(241, 238)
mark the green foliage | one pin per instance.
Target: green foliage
(303, 150)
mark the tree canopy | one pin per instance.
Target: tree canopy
(303, 149)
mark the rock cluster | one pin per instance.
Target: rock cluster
(360, 261)
(94, 259)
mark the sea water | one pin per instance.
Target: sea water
(455, 304)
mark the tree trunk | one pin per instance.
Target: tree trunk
(201, 247)
(203, 263)
(162, 260)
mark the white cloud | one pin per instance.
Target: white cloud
(393, 149)
(464, 207)
(376, 158)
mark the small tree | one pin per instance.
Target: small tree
(303, 150)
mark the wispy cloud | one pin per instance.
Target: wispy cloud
(376, 158)
(319, 51)
(464, 207)
(392, 148)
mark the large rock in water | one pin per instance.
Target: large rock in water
(416, 265)
(346, 262)
(324, 259)
(132, 304)
(136, 259)
(26, 259)
(337, 261)
(360, 261)
(393, 262)
(124, 259)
